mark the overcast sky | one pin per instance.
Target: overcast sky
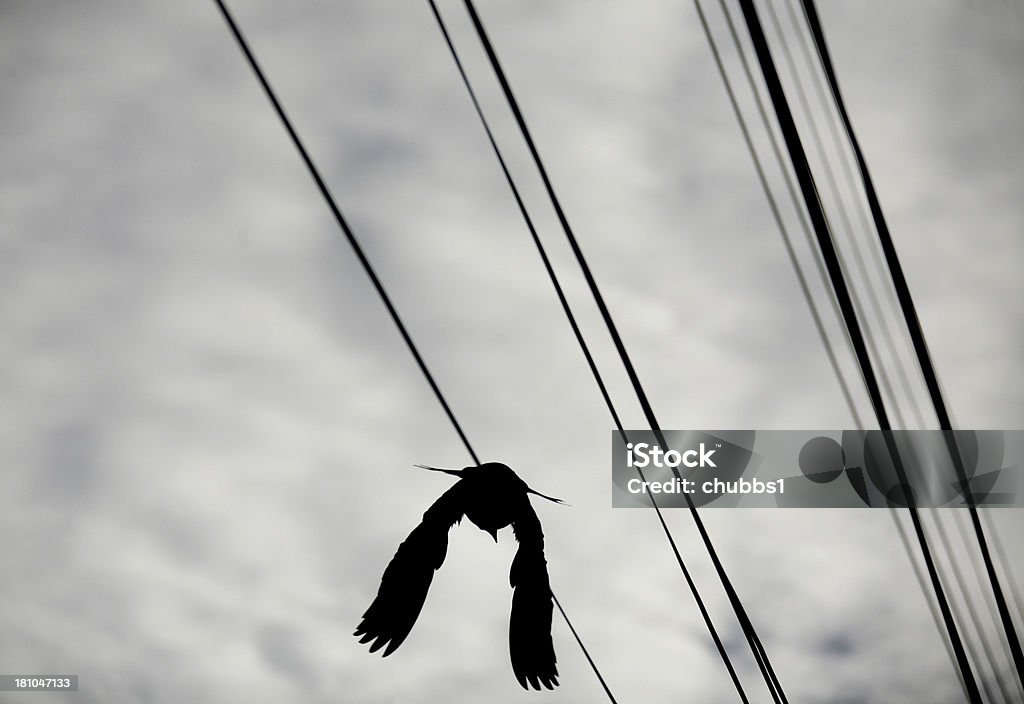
(208, 424)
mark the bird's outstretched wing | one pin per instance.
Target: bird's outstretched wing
(403, 588)
(529, 632)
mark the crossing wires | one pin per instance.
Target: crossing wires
(357, 249)
(757, 648)
(584, 347)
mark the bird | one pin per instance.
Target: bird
(492, 496)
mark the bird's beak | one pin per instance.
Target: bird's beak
(455, 472)
(545, 496)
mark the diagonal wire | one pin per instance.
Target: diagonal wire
(801, 212)
(1017, 598)
(817, 82)
(979, 573)
(776, 215)
(832, 119)
(972, 612)
(913, 323)
(719, 645)
(750, 633)
(847, 226)
(342, 223)
(901, 532)
(810, 194)
(863, 219)
(381, 291)
(952, 566)
(929, 598)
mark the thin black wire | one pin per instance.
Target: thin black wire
(903, 538)
(810, 194)
(819, 83)
(746, 625)
(776, 215)
(979, 573)
(342, 223)
(833, 120)
(378, 285)
(586, 653)
(819, 262)
(916, 333)
(847, 226)
(719, 645)
(800, 210)
(802, 217)
(739, 49)
(944, 572)
(929, 599)
(972, 613)
(844, 160)
(1018, 600)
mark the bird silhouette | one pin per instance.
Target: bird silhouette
(491, 496)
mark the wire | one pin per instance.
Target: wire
(776, 215)
(929, 598)
(874, 300)
(342, 223)
(586, 653)
(916, 333)
(1018, 600)
(746, 625)
(832, 120)
(757, 164)
(844, 220)
(818, 83)
(972, 612)
(719, 645)
(979, 573)
(799, 209)
(378, 285)
(810, 194)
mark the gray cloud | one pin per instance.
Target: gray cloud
(208, 422)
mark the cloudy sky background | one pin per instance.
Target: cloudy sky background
(208, 422)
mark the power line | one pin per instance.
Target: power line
(929, 598)
(916, 333)
(367, 267)
(343, 224)
(805, 227)
(874, 300)
(979, 573)
(972, 613)
(776, 215)
(831, 119)
(816, 213)
(757, 164)
(1004, 560)
(844, 220)
(746, 625)
(586, 653)
(819, 84)
(719, 645)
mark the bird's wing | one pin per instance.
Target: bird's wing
(529, 632)
(403, 588)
